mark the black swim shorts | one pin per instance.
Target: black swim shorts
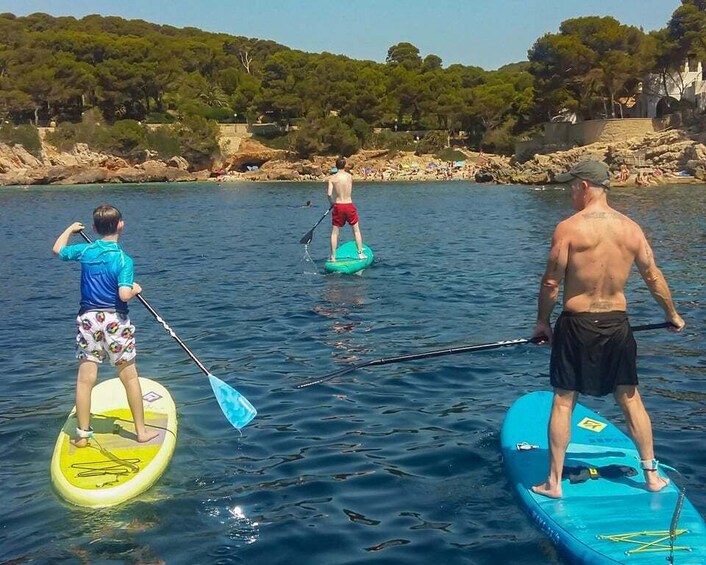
(593, 352)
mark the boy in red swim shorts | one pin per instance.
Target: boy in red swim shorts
(340, 189)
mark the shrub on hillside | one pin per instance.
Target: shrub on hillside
(66, 135)
(127, 136)
(449, 154)
(500, 140)
(325, 136)
(392, 141)
(198, 140)
(164, 141)
(195, 139)
(432, 142)
(25, 135)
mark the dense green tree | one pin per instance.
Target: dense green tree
(590, 57)
(65, 68)
(687, 29)
(405, 55)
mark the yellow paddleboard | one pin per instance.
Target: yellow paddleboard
(114, 467)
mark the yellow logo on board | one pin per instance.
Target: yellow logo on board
(592, 425)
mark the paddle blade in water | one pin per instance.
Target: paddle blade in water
(236, 408)
(306, 240)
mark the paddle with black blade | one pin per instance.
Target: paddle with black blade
(236, 408)
(451, 351)
(308, 236)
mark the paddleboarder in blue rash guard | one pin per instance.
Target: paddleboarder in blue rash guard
(593, 350)
(340, 189)
(103, 325)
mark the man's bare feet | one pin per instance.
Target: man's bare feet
(362, 255)
(653, 482)
(332, 259)
(548, 490)
(80, 442)
(146, 436)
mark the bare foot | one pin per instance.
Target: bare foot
(80, 442)
(653, 482)
(146, 436)
(545, 489)
(332, 259)
(362, 255)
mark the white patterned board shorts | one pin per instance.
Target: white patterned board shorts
(105, 335)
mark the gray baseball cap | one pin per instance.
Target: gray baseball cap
(594, 172)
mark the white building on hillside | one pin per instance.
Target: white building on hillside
(658, 91)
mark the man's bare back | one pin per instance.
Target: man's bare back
(601, 246)
(593, 252)
(341, 187)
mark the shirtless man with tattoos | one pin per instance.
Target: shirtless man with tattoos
(593, 349)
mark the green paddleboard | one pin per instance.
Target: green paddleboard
(347, 260)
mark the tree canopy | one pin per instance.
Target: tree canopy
(57, 68)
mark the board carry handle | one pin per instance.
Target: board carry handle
(235, 407)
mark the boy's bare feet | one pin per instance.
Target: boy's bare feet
(146, 436)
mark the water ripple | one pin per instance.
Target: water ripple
(390, 464)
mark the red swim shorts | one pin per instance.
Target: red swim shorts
(343, 213)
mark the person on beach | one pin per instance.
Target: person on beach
(340, 190)
(593, 349)
(104, 328)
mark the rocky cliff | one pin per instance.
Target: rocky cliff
(83, 166)
(668, 156)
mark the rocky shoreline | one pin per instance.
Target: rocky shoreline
(83, 166)
(673, 156)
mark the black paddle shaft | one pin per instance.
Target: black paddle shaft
(164, 324)
(451, 351)
(308, 236)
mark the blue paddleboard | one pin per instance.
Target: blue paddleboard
(606, 515)
(347, 260)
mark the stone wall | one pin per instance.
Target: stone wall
(231, 136)
(558, 136)
(605, 131)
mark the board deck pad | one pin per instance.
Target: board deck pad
(114, 466)
(606, 519)
(347, 260)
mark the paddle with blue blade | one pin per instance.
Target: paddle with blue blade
(235, 407)
(308, 236)
(451, 351)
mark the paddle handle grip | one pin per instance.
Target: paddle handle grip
(659, 326)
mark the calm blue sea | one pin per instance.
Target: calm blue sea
(395, 464)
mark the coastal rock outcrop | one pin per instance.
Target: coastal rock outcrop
(668, 156)
(251, 155)
(81, 165)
